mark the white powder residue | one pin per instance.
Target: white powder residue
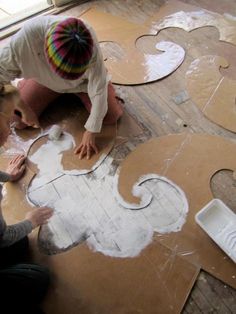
(229, 16)
(18, 145)
(85, 209)
(76, 172)
(48, 159)
(166, 204)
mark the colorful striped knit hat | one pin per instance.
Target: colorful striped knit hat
(69, 48)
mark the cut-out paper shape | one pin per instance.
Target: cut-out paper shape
(63, 149)
(188, 160)
(136, 67)
(189, 17)
(86, 210)
(156, 281)
(213, 93)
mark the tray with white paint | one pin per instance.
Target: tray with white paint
(219, 222)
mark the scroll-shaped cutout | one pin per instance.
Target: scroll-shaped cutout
(189, 17)
(136, 67)
(189, 160)
(86, 210)
(213, 93)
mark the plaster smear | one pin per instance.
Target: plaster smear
(48, 159)
(195, 19)
(17, 145)
(85, 209)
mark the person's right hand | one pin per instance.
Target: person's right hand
(87, 145)
(39, 216)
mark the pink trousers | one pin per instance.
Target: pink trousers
(38, 97)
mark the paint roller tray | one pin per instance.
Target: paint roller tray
(219, 222)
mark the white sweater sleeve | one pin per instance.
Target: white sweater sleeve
(9, 69)
(97, 91)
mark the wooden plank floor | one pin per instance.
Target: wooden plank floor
(156, 107)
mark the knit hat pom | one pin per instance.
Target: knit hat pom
(69, 48)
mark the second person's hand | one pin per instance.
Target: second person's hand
(16, 167)
(39, 216)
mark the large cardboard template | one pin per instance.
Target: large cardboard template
(74, 124)
(188, 160)
(135, 67)
(156, 281)
(188, 17)
(213, 93)
(86, 282)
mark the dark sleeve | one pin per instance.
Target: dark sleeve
(13, 233)
(4, 177)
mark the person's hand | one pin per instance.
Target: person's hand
(87, 146)
(16, 167)
(39, 216)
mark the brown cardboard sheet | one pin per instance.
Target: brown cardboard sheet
(213, 93)
(14, 203)
(85, 282)
(190, 161)
(188, 17)
(135, 67)
(156, 281)
(71, 116)
(75, 126)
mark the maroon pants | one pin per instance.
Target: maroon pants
(38, 97)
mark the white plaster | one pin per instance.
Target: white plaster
(229, 16)
(167, 204)
(163, 63)
(85, 209)
(48, 159)
(76, 172)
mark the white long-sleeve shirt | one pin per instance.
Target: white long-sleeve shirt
(24, 57)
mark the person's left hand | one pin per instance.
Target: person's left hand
(16, 167)
(87, 146)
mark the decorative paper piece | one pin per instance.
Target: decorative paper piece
(73, 128)
(157, 281)
(213, 93)
(188, 160)
(136, 67)
(189, 17)
(86, 271)
(86, 210)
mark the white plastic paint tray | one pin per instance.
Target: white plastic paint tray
(219, 222)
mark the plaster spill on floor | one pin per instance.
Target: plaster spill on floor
(165, 203)
(48, 159)
(85, 209)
